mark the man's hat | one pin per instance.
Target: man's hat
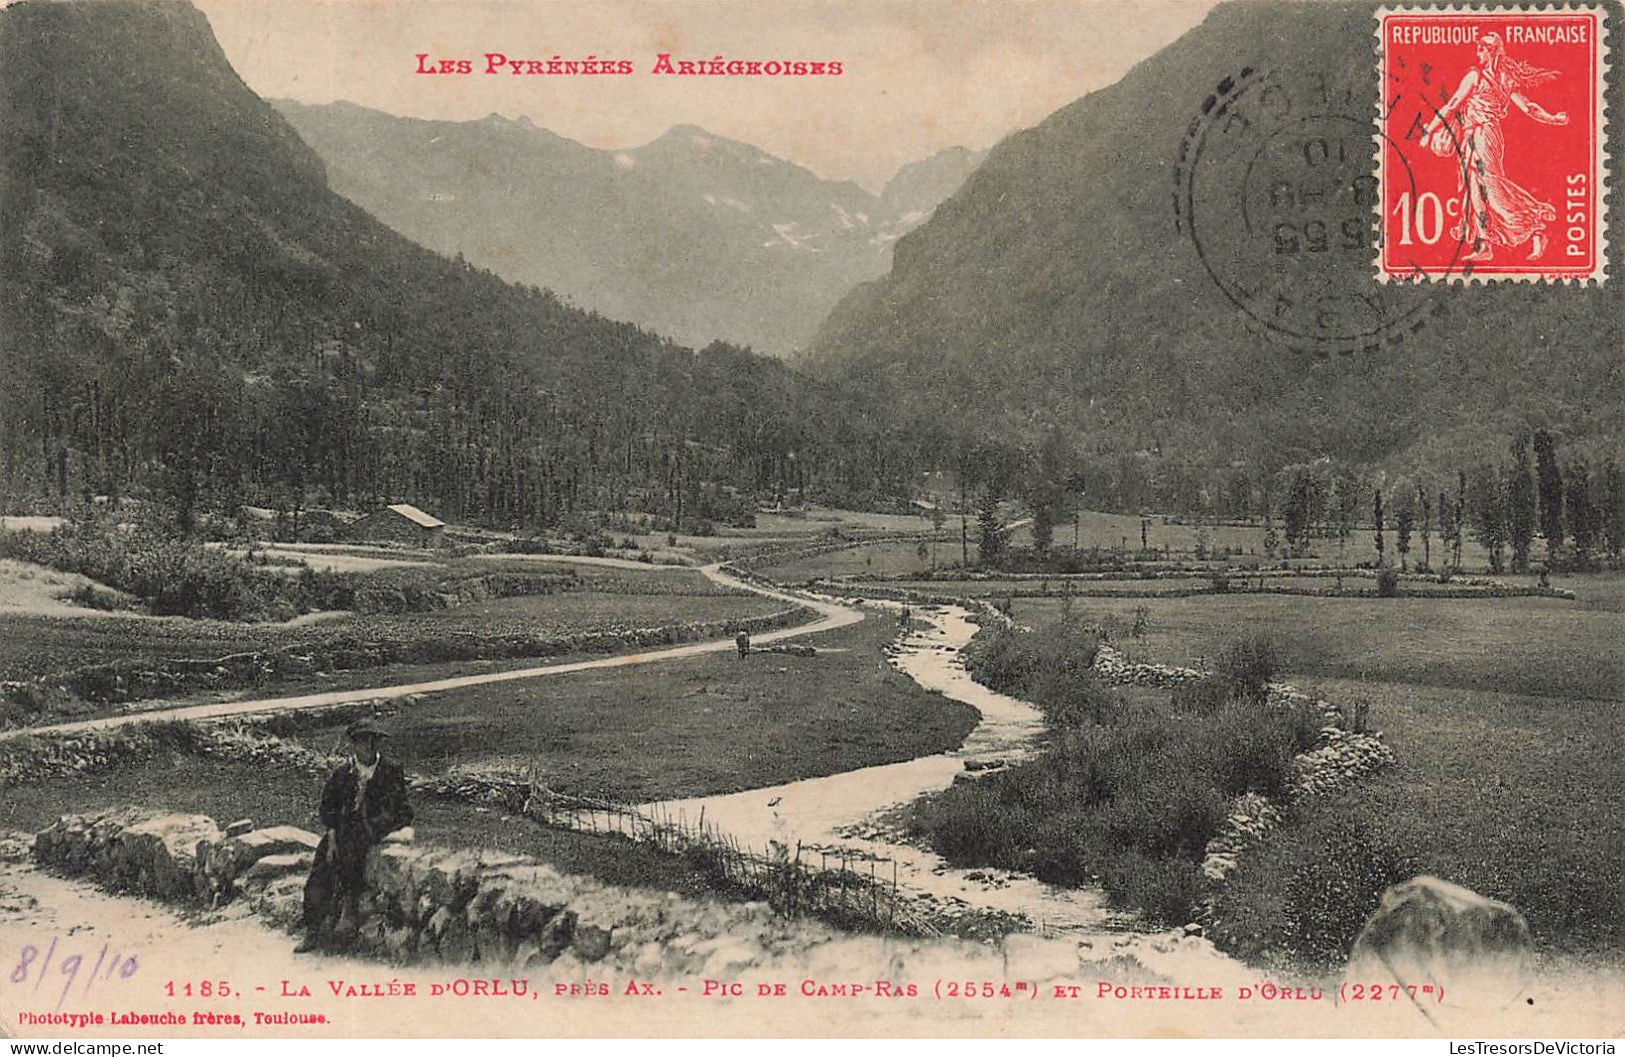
(365, 728)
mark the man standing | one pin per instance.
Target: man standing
(364, 800)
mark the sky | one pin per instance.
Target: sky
(918, 75)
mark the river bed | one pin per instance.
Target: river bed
(840, 816)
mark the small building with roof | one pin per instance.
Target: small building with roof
(399, 523)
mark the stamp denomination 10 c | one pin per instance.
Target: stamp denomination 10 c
(1490, 144)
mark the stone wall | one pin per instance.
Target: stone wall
(1113, 667)
(1338, 759)
(425, 903)
(140, 679)
(503, 912)
(57, 754)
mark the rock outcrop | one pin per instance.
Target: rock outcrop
(1431, 933)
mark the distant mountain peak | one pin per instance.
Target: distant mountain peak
(765, 246)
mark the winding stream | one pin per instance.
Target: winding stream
(837, 815)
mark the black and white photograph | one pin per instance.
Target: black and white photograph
(784, 519)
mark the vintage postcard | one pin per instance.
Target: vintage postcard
(809, 518)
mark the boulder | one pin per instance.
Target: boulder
(281, 901)
(1430, 932)
(591, 942)
(226, 860)
(159, 856)
(15, 845)
(556, 935)
(267, 869)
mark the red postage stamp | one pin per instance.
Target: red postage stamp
(1491, 144)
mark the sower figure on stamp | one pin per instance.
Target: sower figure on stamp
(364, 801)
(1495, 211)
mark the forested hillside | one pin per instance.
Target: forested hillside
(190, 311)
(1060, 292)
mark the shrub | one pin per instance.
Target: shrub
(1072, 699)
(1011, 661)
(1172, 815)
(1338, 879)
(1126, 796)
(92, 597)
(1166, 891)
(967, 823)
(1220, 581)
(1200, 697)
(1252, 751)
(1247, 665)
(1387, 582)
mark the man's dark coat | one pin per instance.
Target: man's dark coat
(341, 857)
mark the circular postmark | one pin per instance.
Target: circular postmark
(1278, 196)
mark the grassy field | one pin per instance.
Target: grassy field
(900, 558)
(702, 725)
(1127, 588)
(1537, 646)
(707, 724)
(1505, 718)
(1108, 531)
(1518, 797)
(565, 613)
(31, 646)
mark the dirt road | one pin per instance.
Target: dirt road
(831, 616)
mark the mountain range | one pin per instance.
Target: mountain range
(189, 306)
(188, 309)
(693, 235)
(1060, 288)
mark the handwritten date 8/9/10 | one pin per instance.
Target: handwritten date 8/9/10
(54, 961)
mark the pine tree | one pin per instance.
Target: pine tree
(1298, 514)
(990, 541)
(1376, 521)
(1346, 504)
(1487, 509)
(1551, 494)
(1404, 521)
(1580, 511)
(1043, 527)
(1426, 504)
(1611, 509)
(1458, 520)
(1520, 504)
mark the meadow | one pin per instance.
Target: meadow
(709, 724)
(1504, 714)
(891, 558)
(74, 662)
(706, 724)
(1520, 797)
(1539, 646)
